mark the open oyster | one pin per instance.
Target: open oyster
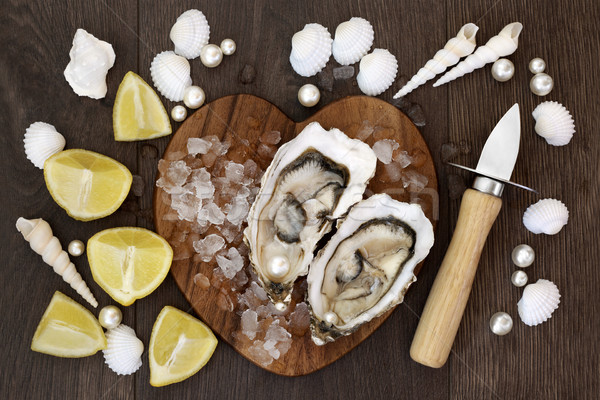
(312, 180)
(367, 266)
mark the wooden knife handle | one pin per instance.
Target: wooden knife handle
(448, 297)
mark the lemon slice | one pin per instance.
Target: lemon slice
(128, 263)
(138, 113)
(87, 185)
(179, 346)
(68, 329)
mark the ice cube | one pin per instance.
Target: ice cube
(299, 320)
(365, 130)
(207, 247)
(201, 281)
(402, 158)
(266, 151)
(214, 215)
(270, 137)
(234, 172)
(185, 205)
(415, 180)
(239, 210)
(342, 73)
(279, 337)
(178, 172)
(249, 323)
(232, 263)
(198, 146)
(259, 354)
(384, 148)
(393, 171)
(250, 168)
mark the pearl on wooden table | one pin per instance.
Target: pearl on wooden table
(228, 47)
(541, 84)
(309, 95)
(193, 97)
(76, 248)
(503, 69)
(110, 317)
(537, 65)
(501, 323)
(178, 113)
(211, 55)
(523, 255)
(519, 278)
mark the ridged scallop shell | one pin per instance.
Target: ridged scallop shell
(546, 216)
(41, 141)
(377, 72)
(190, 33)
(554, 123)
(538, 302)
(123, 353)
(353, 39)
(311, 49)
(171, 75)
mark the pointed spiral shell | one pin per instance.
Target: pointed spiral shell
(554, 123)
(538, 302)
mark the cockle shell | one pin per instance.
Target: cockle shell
(353, 39)
(171, 75)
(190, 33)
(459, 46)
(123, 353)
(311, 49)
(377, 72)
(501, 45)
(91, 59)
(39, 235)
(554, 123)
(41, 141)
(538, 302)
(546, 216)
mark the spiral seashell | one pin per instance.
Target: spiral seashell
(353, 39)
(123, 353)
(554, 123)
(501, 45)
(41, 141)
(190, 33)
(546, 216)
(538, 302)
(459, 46)
(39, 235)
(171, 75)
(311, 49)
(377, 72)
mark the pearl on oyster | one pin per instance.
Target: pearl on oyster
(110, 317)
(278, 267)
(503, 69)
(178, 113)
(537, 65)
(501, 323)
(228, 47)
(309, 95)
(331, 318)
(211, 55)
(523, 255)
(76, 248)
(541, 84)
(519, 278)
(193, 97)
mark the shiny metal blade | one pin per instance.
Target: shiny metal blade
(500, 151)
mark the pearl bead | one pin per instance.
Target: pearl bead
(280, 306)
(503, 69)
(331, 318)
(537, 65)
(523, 256)
(178, 113)
(309, 95)
(110, 317)
(193, 97)
(278, 267)
(211, 55)
(501, 323)
(519, 278)
(228, 47)
(76, 248)
(541, 84)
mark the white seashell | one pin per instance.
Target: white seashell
(377, 72)
(538, 302)
(459, 46)
(501, 45)
(171, 75)
(190, 33)
(91, 59)
(123, 353)
(554, 123)
(546, 216)
(39, 235)
(41, 141)
(311, 49)
(353, 39)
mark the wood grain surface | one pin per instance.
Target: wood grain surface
(558, 359)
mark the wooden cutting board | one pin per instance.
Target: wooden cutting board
(242, 119)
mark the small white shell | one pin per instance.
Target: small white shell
(41, 141)
(123, 353)
(546, 216)
(554, 123)
(353, 39)
(538, 302)
(377, 72)
(311, 49)
(171, 75)
(190, 33)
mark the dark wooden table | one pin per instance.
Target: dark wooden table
(558, 359)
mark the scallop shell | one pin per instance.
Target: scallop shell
(311, 49)
(171, 75)
(377, 72)
(123, 353)
(538, 302)
(554, 123)
(546, 216)
(353, 39)
(190, 33)
(41, 141)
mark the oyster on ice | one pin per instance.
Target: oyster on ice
(312, 180)
(367, 266)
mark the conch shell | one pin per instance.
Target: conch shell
(39, 235)
(501, 45)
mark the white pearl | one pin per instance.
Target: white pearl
(76, 248)
(501, 323)
(541, 84)
(523, 256)
(309, 95)
(503, 69)
(331, 318)
(193, 97)
(280, 306)
(178, 113)
(110, 317)
(211, 55)
(228, 47)
(537, 65)
(278, 267)
(519, 278)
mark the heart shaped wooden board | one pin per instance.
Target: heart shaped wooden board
(240, 120)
